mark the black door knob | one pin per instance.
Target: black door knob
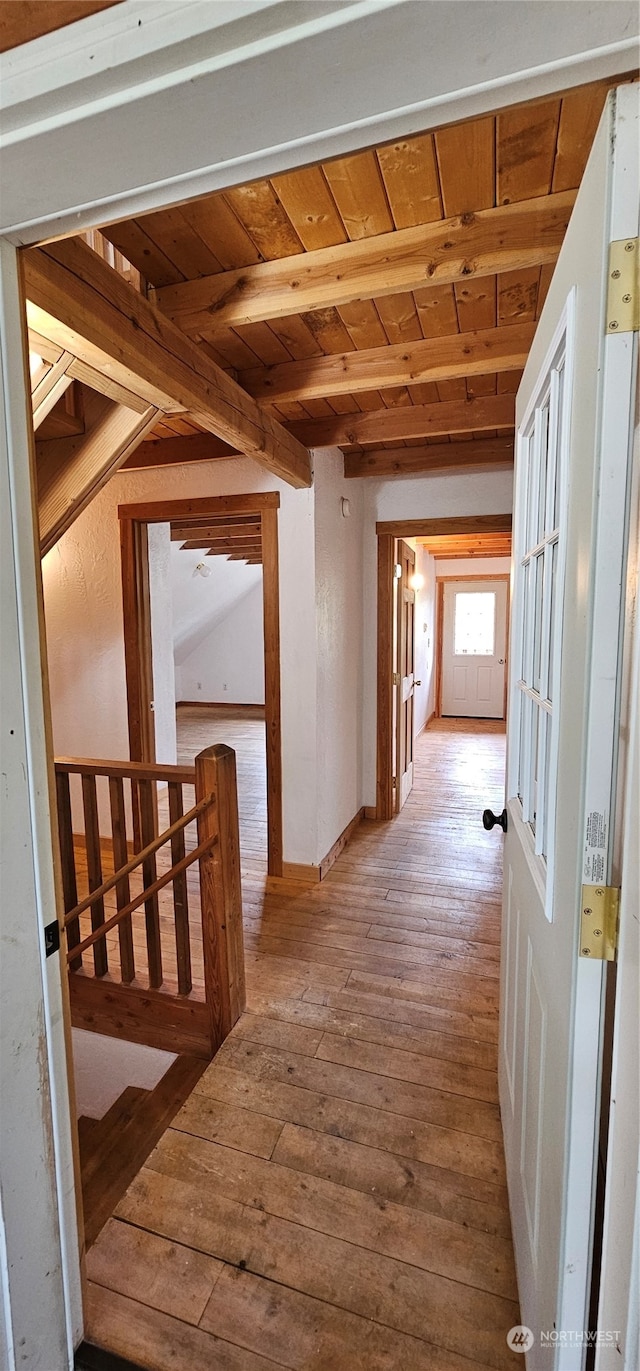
(489, 819)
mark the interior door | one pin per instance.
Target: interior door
(574, 419)
(405, 649)
(474, 640)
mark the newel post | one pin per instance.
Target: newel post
(220, 891)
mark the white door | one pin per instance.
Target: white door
(574, 419)
(474, 639)
(405, 680)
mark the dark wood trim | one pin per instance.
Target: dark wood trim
(136, 610)
(273, 730)
(340, 843)
(384, 746)
(439, 528)
(137, 630)
(174, 511)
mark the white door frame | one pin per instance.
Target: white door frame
(127, 85)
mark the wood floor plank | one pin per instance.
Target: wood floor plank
(388, 1177)
(145, 1267)
(394, 1293)
(159, 1342)
(451, 1111)
(307, 1332)
(463, 1153)
(423, 1239)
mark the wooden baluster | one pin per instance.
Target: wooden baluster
(148, 830)
(94, 867)
(68, 862)
(123, 889)
(180, 893)
(220, 892)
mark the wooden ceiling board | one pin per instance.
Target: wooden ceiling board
(309, 204)
(476, 303)
(216, 224)
(178, 241)
(131, 239)
(466, 164)
(399, 318)
(259, 211)
(525, 151)
(358, 190)
(579, 118)
(518, 295)
(363, 324)
(410, 174)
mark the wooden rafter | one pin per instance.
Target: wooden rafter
(433, 359)
(449, 526)
(71, 471)
(515, 236)
(46, 393)
(180, 532)
(82, 304)
(411, 421)
(484, 454)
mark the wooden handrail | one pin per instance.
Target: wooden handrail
(130, 908)
(134, 771)
(136, 860)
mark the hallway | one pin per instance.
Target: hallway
(332, 1195)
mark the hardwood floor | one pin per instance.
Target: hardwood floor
(332, 1195)
(199, 728)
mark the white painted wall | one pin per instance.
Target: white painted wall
(338, 558)
(83, 609)
(227, 664)
(164, 684)
(103, 1067)
(420, 498)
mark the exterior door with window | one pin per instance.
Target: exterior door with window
(474, 636)
(574, 420)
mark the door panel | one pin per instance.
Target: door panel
(474, 648)
(571, 480)
(405, 661)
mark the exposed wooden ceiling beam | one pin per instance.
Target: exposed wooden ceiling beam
(222, 545)
(448, 525)
(97, 316)
(433, 359)
(71, 471)
(410, 421)
(510, 237)
(484, 454)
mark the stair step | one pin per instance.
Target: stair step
(134, 1132)
(109, 1128)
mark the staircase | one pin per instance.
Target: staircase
(113, 1148)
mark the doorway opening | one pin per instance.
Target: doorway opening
(409, 629)
(241, 526)
(207, 628)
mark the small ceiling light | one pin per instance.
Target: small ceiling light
(416, 581)
(201, 569)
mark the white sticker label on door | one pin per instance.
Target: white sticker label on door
(595, 852)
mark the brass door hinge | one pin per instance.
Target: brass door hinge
(623, 292)
(599, 922)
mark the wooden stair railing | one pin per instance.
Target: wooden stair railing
(169, 979)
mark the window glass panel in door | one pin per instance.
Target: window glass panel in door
(474, 625)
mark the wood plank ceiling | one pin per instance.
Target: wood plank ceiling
(309, 288)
